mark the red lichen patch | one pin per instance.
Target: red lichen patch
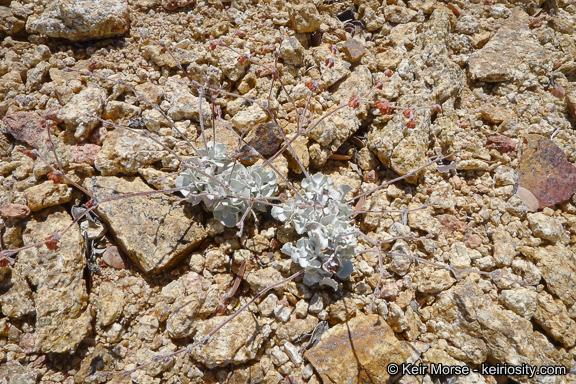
(545, 172)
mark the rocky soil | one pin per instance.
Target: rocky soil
(145, 275)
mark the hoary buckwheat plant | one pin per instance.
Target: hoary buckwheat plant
(321, 214)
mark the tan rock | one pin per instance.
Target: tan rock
(120, 111)
(510, 51)
(47, 194)
(505, 246)
(236, 343)
(558, 266)
(331, 133)
(545, 227)
(398, 14)
(125, 151)
(295, 327)
(10, 23)
(305, 17)
(552, 316)
(79, 115)
(263, 278)
(495, 115)
(186, 296)
(467, 316)
(248, 118)
(431, 280)
(79, 20)
(520, 300)
(571, 103)
(63, 318)
(154, 230)
(109, 304)
(397, 146)
(358, 351)
(16, 299)
(354, 50)
(342, 310)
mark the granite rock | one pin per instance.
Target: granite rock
(481, 330)
(48, 194)
(552, 316)
(79, 115)
(236, 343)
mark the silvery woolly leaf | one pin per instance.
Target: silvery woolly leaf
(226, 218)
(279, 213)
(344, 189)
(330, 282)
(311, 278)
(346, 270)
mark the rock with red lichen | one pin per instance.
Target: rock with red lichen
(84, 153)
(502, 144)
(24, 126)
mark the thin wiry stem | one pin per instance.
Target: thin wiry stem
(201, 117)
(61, 173)
(412, 173)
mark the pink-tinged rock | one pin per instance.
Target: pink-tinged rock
(14, 210)
(98, 135)
(84, 153)
(24, 126)
(52, 114)
(545, 172)
(502, 144)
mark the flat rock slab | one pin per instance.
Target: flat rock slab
(508, 52)
(544, 171)
(63, 318)
(156, 230)
(79, 20)
(236, 343)
(358, 351)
